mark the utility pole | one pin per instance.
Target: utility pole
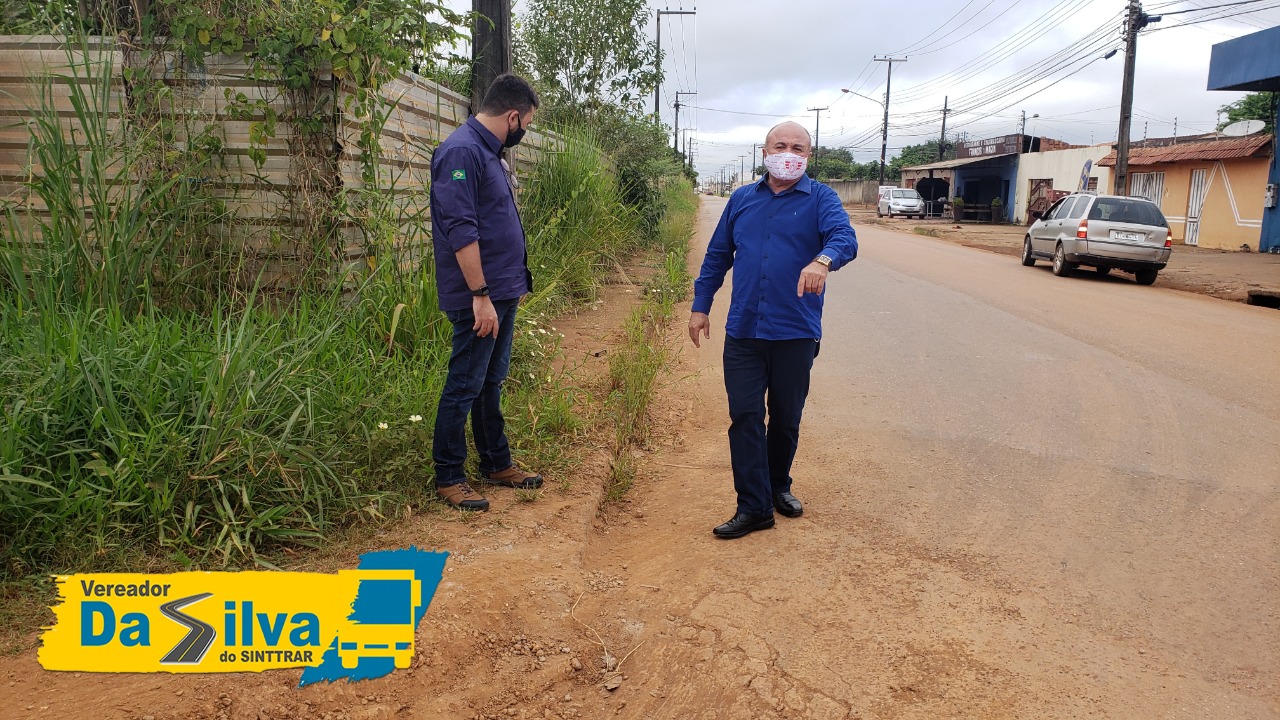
(741, 168)
(942, 140)
(1134, 21)
(1175, 130)
(884, 131)
(676, 138)
(657, 61)
(817, 119)
(755, 158)
(490, 46)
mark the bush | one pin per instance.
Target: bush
(133, 420)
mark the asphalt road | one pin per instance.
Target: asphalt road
(1111, 446)
(1026, 497)
(192, 648)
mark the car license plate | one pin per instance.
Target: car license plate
(1130, 236)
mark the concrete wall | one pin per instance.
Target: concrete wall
(1064, 168)
(1232, 212)
(856, 192)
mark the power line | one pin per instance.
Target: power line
(913, 45)
(1211, 7)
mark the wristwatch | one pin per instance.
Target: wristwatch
(482, 291)
(824, 261)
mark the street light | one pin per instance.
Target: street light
(884, 129)
(1023, 131)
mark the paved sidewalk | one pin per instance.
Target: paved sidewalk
(1220, 273)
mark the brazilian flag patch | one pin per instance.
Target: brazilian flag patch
(459, 174)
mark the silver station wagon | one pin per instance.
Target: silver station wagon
(1105, 232)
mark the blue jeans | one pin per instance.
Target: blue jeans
(762, 456)
(477, 368)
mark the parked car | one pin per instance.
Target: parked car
(1105, 232)
(900, 201)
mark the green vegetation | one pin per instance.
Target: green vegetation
(159, 409)
(634, 367)
(135, 421)
(1254, 106)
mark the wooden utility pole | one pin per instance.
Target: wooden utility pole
(490, 46)
(1134, 21)
(676, 134)
(942, 139)
(817, 126)
(884, 131)
(657, 60)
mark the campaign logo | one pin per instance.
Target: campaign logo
(354, 624)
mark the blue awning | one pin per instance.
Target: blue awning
(1251, 62)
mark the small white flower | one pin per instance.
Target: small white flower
(383, 426)
(415, 418)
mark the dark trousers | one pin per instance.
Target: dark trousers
(477, 368)
(757, 372)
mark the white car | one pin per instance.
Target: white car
(900, 201)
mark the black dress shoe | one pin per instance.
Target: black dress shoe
(788, 505)
(743, 525)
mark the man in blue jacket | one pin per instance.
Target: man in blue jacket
(482, 271)
(782, 236)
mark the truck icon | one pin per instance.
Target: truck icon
(383, 620)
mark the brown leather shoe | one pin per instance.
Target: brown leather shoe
(462, 497)
(513, 477)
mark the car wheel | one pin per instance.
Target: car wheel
(1145, 277)
(1061, 267)
(1027, 258)
(1102, 271)
(878, 213)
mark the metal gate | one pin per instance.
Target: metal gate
(1147, 185)
(1195, 204)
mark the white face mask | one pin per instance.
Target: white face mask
(785, 166)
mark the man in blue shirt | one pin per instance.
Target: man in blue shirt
(482, 271)
(781, 236)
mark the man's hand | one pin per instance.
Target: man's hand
(699, 324)
(813, 278)
(486, 316)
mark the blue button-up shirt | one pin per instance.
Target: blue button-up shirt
(472, 201)
(768, 239)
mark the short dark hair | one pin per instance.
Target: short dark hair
(509, 92)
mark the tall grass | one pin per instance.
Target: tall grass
(134, 422)
(578, 225)
(635, 367)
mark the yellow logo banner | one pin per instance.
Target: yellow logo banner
(356, 624)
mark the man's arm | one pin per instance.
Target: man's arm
(839, 243)
(455, 183)
(715, 265)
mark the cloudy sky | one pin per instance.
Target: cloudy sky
(753, 63)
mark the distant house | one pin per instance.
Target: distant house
(1211, 191)
(984, 170)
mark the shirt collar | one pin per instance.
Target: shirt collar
(486, 135)
(804, 184)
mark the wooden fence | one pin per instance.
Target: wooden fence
(269, 206)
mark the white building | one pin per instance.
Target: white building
(1045, 176)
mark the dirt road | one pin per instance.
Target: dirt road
(1026, 497)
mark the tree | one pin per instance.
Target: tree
(589, 54)
(1254, 106)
